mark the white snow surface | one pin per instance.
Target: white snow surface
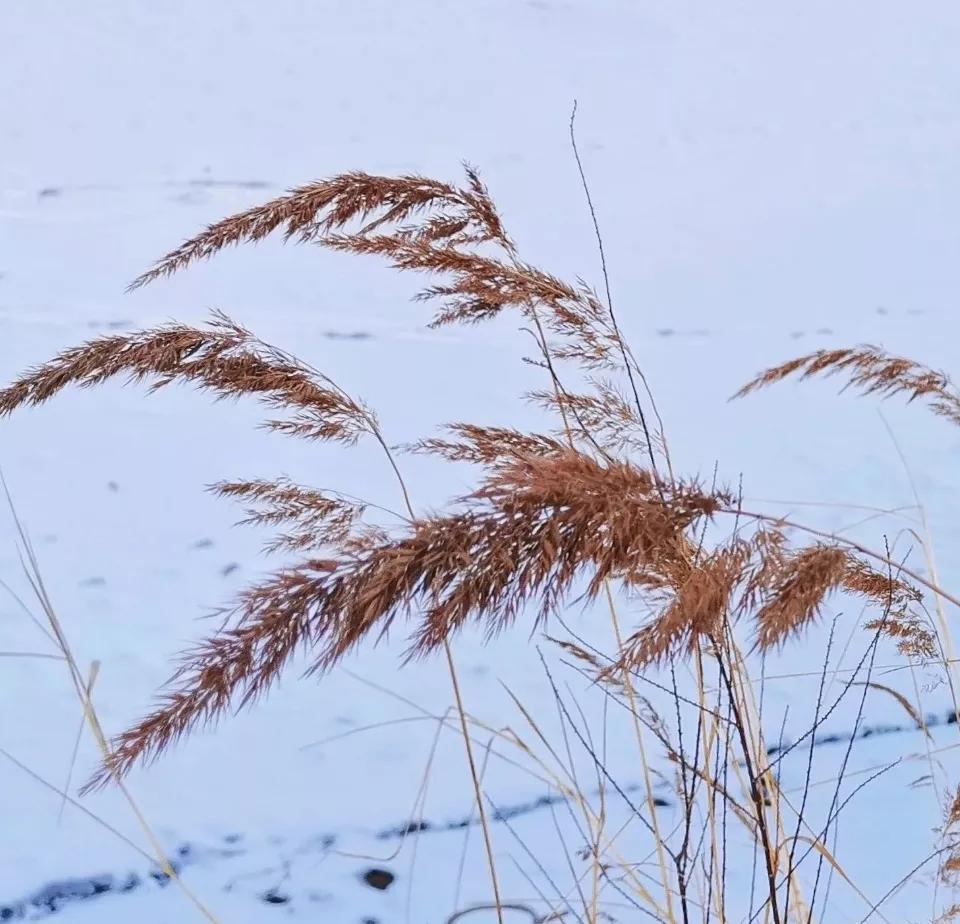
(770, 179)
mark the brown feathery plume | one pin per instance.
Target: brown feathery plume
(456, 218)
(890, 593)
(483, 286)
(605, 413)
(587, 334)
(950, 867)
(238, 663)
(225, 359)
(769, 559)
(800, 587)
(354, 196)
(533, 526)
(487, 445)
(883, 589)
(872, 371)
(699, 599)
(896, 597)
(913, 636)
(320, 518)
(791, 587)
(528, 532)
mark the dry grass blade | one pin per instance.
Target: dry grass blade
(873, 372)
(903, 702)
(578, 652)
(821, 849)
(83, 688)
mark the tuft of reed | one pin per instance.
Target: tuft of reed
(592, 509)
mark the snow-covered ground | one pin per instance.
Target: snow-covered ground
(769, 179)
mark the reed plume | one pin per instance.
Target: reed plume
(872, 371)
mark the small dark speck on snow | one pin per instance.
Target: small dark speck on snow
(379, 879)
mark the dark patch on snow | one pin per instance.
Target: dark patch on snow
(411, 827)
(227, 184)
(865, 731)
(343, 335)
(671, 332)
(379, 879)
(501, 815)
(112, 325)
(61, 893)
(273, 897)
(57, 895)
